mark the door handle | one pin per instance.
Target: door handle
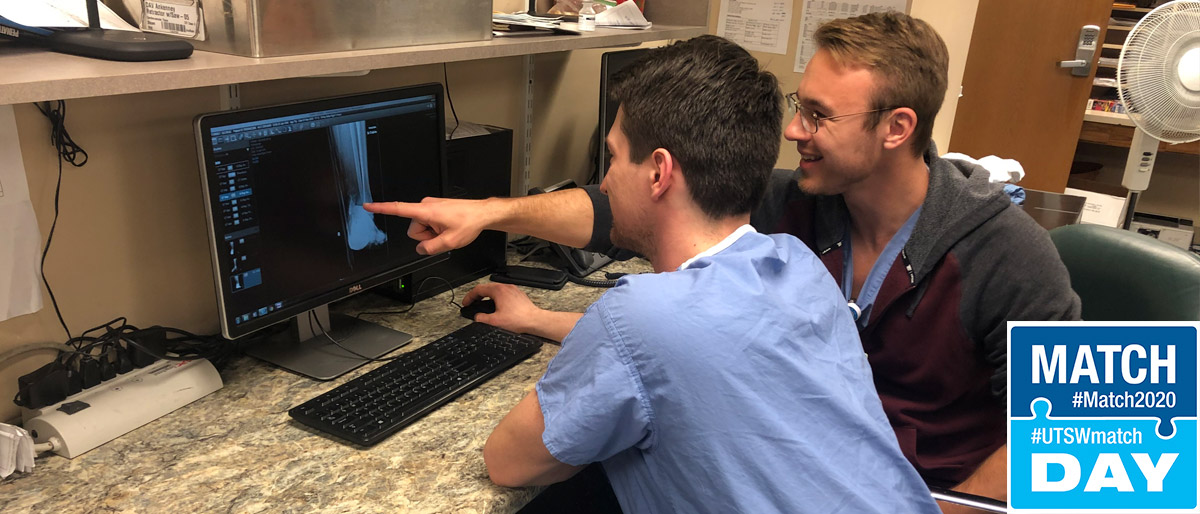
(1085, 49)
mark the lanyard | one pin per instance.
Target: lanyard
(860, 308)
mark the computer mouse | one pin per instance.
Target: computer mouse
(482, 305)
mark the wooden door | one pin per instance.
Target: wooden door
(1017, 103)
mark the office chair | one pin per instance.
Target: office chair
(1121, 275)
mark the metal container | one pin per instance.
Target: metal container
(268, 28)
(1052, 210)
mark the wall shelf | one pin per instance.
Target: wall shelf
(1116, 129)
(1106, 129)
(33, 74)
(1107, 118)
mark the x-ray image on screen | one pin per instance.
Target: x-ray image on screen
(349, 144)
(289, 192)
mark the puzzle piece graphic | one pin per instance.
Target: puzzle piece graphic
(1101, 463)
(1106, 371)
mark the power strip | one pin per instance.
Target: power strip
(100, 414)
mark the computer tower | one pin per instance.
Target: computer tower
(478, 166)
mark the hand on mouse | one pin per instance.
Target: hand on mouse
(514, 311)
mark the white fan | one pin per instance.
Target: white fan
(1158, 79)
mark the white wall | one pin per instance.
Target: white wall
(131, 238)
(953, 19)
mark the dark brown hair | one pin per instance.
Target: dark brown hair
(707, 101)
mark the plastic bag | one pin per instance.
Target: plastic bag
(571, 7)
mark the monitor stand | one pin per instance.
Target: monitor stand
(303, 349)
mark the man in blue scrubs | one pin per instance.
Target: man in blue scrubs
(732, 380)
(933, 258)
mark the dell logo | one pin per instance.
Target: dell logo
(356, 288)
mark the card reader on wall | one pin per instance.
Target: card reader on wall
(100, 414)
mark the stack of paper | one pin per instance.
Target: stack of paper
(504, 25)
(623, 16)
(59, 13)
(1099, 208)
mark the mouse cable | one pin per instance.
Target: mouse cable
(71, 152)
(420, 287)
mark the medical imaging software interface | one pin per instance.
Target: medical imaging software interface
(287, 197)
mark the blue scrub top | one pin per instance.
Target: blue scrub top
(736, 384)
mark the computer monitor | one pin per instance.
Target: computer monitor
(284, 188)
(610, 64)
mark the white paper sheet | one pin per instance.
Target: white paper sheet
(59, 13)
(623, 16)
(20, 240)
(1099, 208)
(817, 12)
(761, 25)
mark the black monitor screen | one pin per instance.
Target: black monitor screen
(610, 64)
(285, 187)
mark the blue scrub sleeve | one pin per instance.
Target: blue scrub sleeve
(592, 398)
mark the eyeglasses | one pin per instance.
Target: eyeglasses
(811, 122)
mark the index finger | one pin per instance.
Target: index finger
(401, 209)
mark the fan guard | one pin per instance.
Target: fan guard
(1158, 74)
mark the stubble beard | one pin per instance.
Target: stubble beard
(630, 240)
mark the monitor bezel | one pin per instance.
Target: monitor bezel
(611, 63)
(204, 122)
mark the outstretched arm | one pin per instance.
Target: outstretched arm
(442, 224)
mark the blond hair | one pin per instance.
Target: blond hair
(907, 56)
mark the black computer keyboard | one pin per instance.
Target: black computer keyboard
(379, 403)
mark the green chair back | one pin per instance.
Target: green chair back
(1121, 275)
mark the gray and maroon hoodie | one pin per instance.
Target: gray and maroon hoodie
(937, 334)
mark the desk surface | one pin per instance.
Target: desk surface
(237, 450)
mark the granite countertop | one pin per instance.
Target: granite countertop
(237, 450)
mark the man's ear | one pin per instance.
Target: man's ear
(900, 125)
(663, 172)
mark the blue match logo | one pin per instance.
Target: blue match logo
(1102, 417)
